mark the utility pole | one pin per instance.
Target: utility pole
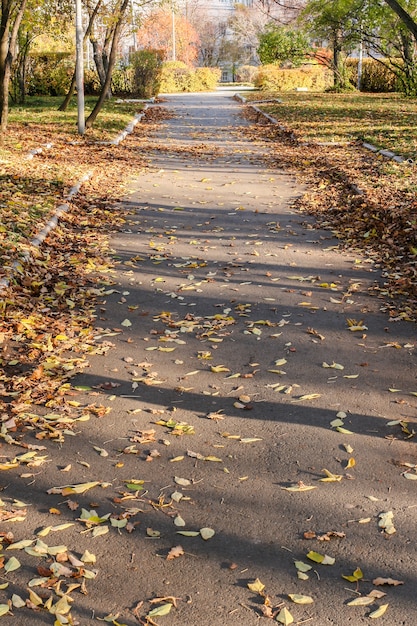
(79, 67)
(174, 43)
(360, 64)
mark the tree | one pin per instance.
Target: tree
(118, 17)
(390, 42)
(334, 21)
(12, 12)
(404, 16)
(156, 32)
(283, 46)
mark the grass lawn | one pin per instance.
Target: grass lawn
(44, 111)
(385, 120)
(31, 188)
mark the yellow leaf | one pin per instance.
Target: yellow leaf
(300, 599)
(20, 544)
(361, 601)
(257, 586)
(302, 567)
(344, 431)
(285, 617)
(333, 365)
(308, 396)
(330, 478)
(164, 609)
(12, 564)
(379, 612)
(34, 598)
(299, 488)
(100, 530)
(324, 559)
(280, 362)
(219, 368)
(351, 463)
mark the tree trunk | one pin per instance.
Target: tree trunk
(404, 16)
(337, 61)
(8, 39)
(112, 60)
(70, 93)
(98, 59)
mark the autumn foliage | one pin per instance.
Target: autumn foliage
(157, 30)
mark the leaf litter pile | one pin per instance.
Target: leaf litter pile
(367, 201)
(130, 488)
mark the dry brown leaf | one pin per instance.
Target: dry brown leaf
(174, 553)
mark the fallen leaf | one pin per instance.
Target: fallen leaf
(257, 586)
(386, 522)
(184, 482)
(12, 564)
(174, 553)
(302, 567)
(324, 559)
(164, 609)
(387, 581)
(361, 601)
(299, 487)
(285, 617)
(330, 478)
(298, 598)
(355, 576)
(207, 533)
(378, 612)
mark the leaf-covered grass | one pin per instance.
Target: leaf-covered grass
(31, 187)
(384, 120)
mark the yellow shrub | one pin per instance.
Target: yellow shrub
(273, 78)
(376, 78)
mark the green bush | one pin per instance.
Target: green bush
(376, 77)
(273, 78)
(49, 73)
(178, 77)
(147, 69)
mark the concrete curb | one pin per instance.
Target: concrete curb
(65, 206)
(388, 154)
(41, 236)
(32, 153)
(129, 128)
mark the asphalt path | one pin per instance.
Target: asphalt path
(229, 312)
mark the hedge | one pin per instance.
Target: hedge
(179, 77)
(376, 77)
(273, 78)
